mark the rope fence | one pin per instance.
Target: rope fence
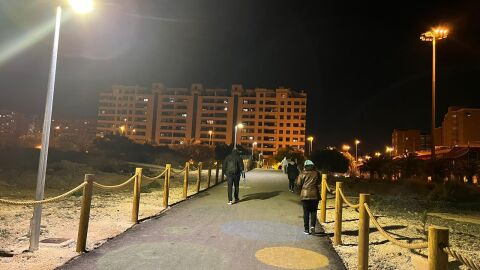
(50, 200)
(390, 238)
(347, 202)
(89, 184)
(459, 257)
(154, 177)
(437, 242)
(119, 186)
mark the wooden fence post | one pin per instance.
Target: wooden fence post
(217, 168)
(363, 233)
(136, 194)
(209, 175)
(323, 203)
(199, 179)
(185, 180)
(437, 238)
(85, 213)
(166, 185)
(337, 236)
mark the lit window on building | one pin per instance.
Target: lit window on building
(210, 122)
(145, 99)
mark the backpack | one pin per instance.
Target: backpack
(232, 167)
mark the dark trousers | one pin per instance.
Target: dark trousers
(291, 183)
(233, 180)
(309, 213)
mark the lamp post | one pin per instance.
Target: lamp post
(378, 154)
(253, 148)
(346, 147)
(357, 142)
(389, 150)
(432, 36)
(310, 140)
(210, 139)
(236, 130)
(81, 6)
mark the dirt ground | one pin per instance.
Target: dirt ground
(401, 217)
(110, 215)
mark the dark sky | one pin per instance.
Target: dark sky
(363, 65)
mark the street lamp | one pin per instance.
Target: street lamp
(310, 140)
(81, 6)
(356, 149)
(122, 130)
(236, 130)
(346, 147)
(432, 36)
(378, 154)
(253, 147)
(389, 150)
(210, 134)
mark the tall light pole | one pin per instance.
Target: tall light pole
(389, 150)
(210, 139)
(357, 142)
(81, 6)
(236, 130)
(253, 147)
(432, 36)
(310, 140)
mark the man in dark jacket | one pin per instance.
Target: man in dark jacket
(292, 173)
(309, 182)
(232, 168)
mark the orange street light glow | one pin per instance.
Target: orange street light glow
(345, 147)
(81, 6)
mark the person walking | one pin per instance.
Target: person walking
(284, 164)
(309, 182)
(232, 168)
(292, 172)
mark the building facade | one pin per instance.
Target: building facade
(124, 110)
(162, 116)
(461, 127)
(406, 141)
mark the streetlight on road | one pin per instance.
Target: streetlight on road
(210, 132)
(236, 130)
(357, 142)
(310, 140)
(389, 150)
(253, 147)
(432, 36)
(80, 6)
(346, 147)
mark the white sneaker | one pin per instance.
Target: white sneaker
(230, 202)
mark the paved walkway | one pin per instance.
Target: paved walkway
(263, 231)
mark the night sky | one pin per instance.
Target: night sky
(363, 65)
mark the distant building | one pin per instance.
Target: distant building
(406, 141)
(13, 124)
(124, 110)
(272, 118)
(461, 127)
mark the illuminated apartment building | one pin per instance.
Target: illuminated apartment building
(461, 127)
(125, 111)
(272, 118)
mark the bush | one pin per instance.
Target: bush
(454, 191)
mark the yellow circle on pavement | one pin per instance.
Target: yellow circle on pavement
(291, 258)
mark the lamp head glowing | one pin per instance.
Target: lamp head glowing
(345, 147)
(240, 125)
(357, 142)
(210, 132)
(81, 6)
(377, 154)
(310, 138)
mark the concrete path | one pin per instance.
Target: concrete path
(263, 231)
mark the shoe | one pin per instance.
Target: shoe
(291, 190)
(230, 202)
(306, 232)
(312, 230)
